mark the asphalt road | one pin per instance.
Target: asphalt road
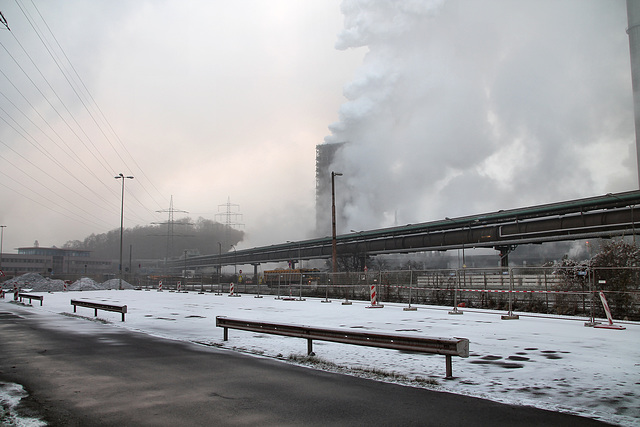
(106, 376)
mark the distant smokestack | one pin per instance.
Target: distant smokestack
(633, 18)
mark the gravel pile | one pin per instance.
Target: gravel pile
(37, 283)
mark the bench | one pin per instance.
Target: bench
(446, 346)
(99, 306)
(30, 297)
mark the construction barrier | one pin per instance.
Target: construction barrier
(374, 298)
(610, 325)
(232, 292)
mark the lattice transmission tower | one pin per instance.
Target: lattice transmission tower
(170, 228)
(231, 216)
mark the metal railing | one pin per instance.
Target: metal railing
(432, 345)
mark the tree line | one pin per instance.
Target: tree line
(200, 237)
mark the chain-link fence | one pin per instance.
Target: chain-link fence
(565, 291)
(555, 290)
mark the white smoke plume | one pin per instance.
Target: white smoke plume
(469, 106)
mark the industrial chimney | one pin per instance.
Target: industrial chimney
(633, 30)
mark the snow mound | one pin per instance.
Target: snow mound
(84, 284)
(35, 282)
(115, 284)
(24, 279)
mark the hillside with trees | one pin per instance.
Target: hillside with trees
(153, 241)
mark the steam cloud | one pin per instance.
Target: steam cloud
(464, 107)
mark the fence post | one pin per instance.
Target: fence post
(346, 292)
(409, 308)
(592, 321)
(326, 291)
(279, 277)
(510, 316)
(455, 296)
(546, 291)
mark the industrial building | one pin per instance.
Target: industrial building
(50, 261)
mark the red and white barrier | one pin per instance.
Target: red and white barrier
(64, 287)
(607, 310)
(179, 286)
(374, 298)
(232, 292)
(160, 286)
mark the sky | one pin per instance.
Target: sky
(450, 108)
(553, 363)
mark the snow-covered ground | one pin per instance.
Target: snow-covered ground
(551, 363)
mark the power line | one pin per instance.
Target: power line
(88, 94)
(96, 153)
(3, 21)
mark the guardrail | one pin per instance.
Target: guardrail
(30, 297)
(99, 306)
(433, 345)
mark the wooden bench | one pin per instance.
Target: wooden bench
(99, 306)
(30, 297)
(446, 346)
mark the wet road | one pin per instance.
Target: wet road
(79, 373)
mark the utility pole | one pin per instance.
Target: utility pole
(122, 177)
(333, 221)
(2, 227)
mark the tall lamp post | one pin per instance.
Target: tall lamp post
(333, 220)
(219, 268)
(121, 176)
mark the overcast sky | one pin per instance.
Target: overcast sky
(450, 107)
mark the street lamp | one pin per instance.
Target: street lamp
(333, 220)
(121, 176)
